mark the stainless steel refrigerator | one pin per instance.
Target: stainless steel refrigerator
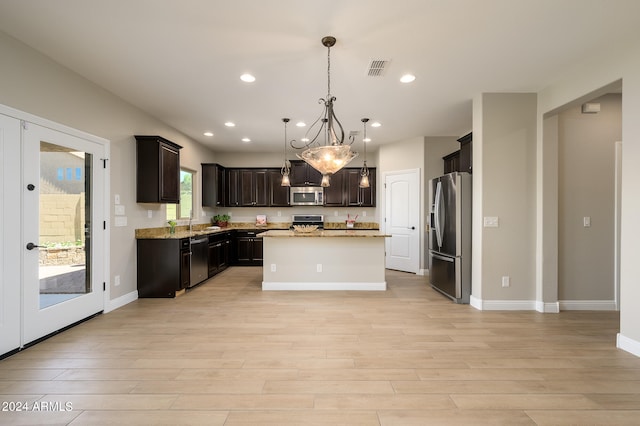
(450, 235)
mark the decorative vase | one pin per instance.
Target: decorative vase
(172, 229)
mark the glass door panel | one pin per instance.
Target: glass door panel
(64, 253)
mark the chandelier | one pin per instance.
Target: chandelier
(332, 154)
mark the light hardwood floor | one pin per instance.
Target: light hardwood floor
(228, 354)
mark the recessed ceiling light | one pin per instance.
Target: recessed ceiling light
(230, 124)
(301, 124)
(246, 140)
(375, 124)
(247, 78)
(304, 139)
(366, 140)
(407, 78)
(209, 134)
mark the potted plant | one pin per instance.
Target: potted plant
(172, 226)
(222, 220)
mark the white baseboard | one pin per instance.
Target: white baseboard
(548, 307)
(379, 286)
(502, 305)
(587, 305)
(119, 302)
(627, 344)
(422, 272)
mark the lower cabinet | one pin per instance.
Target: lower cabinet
(219, 252)
(163, 266)
(248, 249)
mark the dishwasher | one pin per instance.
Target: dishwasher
(199, 260)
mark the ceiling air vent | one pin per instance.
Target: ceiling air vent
(377, 67)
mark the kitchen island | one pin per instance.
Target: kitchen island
(324, 260)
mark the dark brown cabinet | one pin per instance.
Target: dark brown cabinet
(219, 252)
(253, 188)
(302, 174)
(163, 266)
(213, 185)
(344, 189)
(451, 162)
(461, 160)
(232, 187)
(278, 194)
(157, 170)
(466, 153)
(356, 196)
(248, 249)
(334, 194)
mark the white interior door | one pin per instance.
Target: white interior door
(402, 220)
(9, 234)
(62, 232)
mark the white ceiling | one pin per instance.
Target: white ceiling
(180, 60)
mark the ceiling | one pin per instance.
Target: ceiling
(180, 60)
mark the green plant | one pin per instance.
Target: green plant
(220, 218)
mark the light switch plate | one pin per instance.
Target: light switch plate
(491, 222)
(119, 210)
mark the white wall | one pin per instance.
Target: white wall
(586, 179)
(594, 72)
(37, 85)
(504, 187)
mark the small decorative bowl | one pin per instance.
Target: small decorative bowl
(305, 228)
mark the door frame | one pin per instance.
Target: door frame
(106, 241)
(419, 192)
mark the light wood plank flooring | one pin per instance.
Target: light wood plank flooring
(228, 354)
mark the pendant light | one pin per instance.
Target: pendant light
(364, 173)
(334, 154)
(285, 171)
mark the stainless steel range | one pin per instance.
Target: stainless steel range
(307, 219)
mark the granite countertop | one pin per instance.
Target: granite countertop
(325, 234)
(206, 229)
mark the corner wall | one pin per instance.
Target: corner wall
(504, 187)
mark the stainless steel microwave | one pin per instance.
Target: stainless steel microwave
(306, 196)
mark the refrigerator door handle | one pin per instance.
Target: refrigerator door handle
(446, 259)
(437, 206)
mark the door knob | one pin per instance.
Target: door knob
(31, 246)
(412, 228)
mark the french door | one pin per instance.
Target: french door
(62, 230)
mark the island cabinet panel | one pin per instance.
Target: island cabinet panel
(278, 194)
(213, 185)
(248, 249)
(163, 266)
(157, 170)
(334, 194)
(302, 174)
(356, 196)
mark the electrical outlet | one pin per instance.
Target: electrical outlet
(273, 267)
(506, 281)
(586, 221)
(116, 280)
(319, 267)
(149, 214)
(364, 214)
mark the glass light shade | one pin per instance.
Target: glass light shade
(364, 181)
(328, 159)
(285, 180)
(325, 181)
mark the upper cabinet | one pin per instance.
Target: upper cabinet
(356, 196)
(466, 153)
(461, 160)
(213, 185)
(158, 170)
(302, 174)
(278, 194)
